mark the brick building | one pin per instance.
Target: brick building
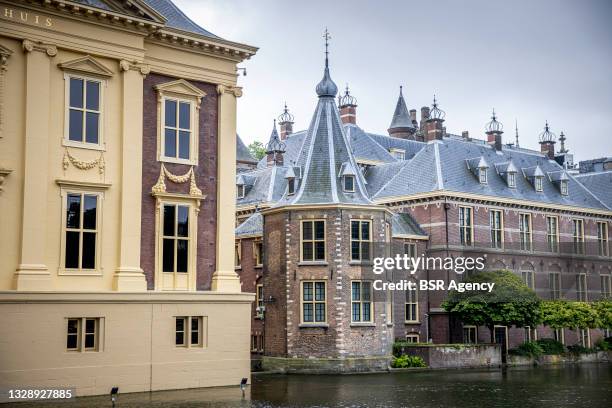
(328, 199)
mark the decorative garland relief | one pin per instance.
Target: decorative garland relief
(160, 186)
(84, 165)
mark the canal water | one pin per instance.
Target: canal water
(587, 385)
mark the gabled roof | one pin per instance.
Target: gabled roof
(599, 183)
(177, 19)
(243, 154)
(252, 226)
(404, 226)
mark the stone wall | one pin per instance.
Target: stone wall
(455, 355)
(325, 365)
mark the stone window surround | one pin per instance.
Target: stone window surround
(313, 240)
(464, 228)
(101, 145)
(525, 232)
(552, 239)
(500, 244)
(361, 303)
(314, 323)
(602, 238)
(582, 287)
(412, 298)
(578, 235)
(413, 337)
(99, 335)
(360, 240)
(187, 331)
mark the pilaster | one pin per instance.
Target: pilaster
(224, 278)
(129, 276)
(32, 272)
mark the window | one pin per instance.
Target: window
(581, 287)
(361, 301)
(313, 241)
(482, 175)
(190, 331)
(81, 231)
(585, 338)
(349, 183)
(470, 334)
(602, 238)
(83, 334)
(531, 334)
(84, 112)
(412, 306)
(512, 179)
(254, 342)
(410, 249)
(237, 252)
(466, 227)
(314, 302)
(578, 235)
(539, 180)
(554, 280)
(175, 248)
(605, 287)
(259, 296)
(528, 279)
(525, 231)
(563, 187)
(361, 240)
(177, 129)
(559, 336)
(290, 186)
(399, 154)
(497, 232)
(552, 233)
(240, 190)
(412, 338)
(258, 252)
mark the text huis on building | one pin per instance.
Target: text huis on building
(117, 129)
(325, 201)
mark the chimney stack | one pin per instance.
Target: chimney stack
(494, 130)
(424, 116)
(413, 116)
(348, 107)
(285, 120)
(433, 125)
(547, 141)
(465, 135)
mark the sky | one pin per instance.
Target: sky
(530, 60)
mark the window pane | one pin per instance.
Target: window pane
(75, 130)
(168, 255)
(365, 289)
(365, 251)
(320, 312)
(355, 229)
(180, 324)
(180, 338)
(169, 220)
(90, 326)
(181, 255)
(93, 95)
(356, 312)
(170, 143)
(319, 291)
(90, 340)
(355, 250)
(91, 127)
(72, 249)
(184, 145)
(89, 212)
(307, 291)
(71, 341)
(89, 250)
(366, 312)
(307, 251)
(308, 312)
(319, 230)
(365, 231)
(170, 113)
(307, 230)
(76, 93)
(195, 336)
(73, 211)
(319, 251)
(184, 122)
(348, 183)
(73, 326)
(183, 221)
(356, 291)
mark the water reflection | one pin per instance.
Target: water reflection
(562, 386)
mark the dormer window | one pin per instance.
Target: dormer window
(512, 180)
(240, 190)
(399, 154)
(290, 186)
(482, 175)
(563, 187)
(539, 183)
(349, 183)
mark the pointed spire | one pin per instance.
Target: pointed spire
(275, 148)
(401, 121)
(326, 87)
(516, 133)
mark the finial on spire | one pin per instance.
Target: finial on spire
(326, 87)
(547, 136)
(327, 37)
(347, 99)
(436, 113)
(285, 117)
(401, 87)
(494, 125)
(516, 132)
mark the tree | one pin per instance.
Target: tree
(257, 149)
(510, 303)
(559, 314)
(604, 311)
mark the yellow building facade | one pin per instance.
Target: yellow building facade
(78, 305)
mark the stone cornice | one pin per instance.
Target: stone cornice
(125, 66)
(234, 90)
(123, 297)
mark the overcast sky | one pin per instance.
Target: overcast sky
(530, 60)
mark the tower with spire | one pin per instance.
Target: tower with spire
(547, 140)
(434, 129)
(347, 104)
(494, 130)
(402, 125)
(275, 149)
(285, 121)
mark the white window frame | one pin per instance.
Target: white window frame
(528, 277)
(559, 335)
(360, 240)
(313, 241)
(539, 183)
(531, 334)
(552, 237)
(412, 301)
(258, 252)
(512, 179)
(188, 329)
(82, 333)
(399, 154)
(361, 302)
(605, 285)
(554, 284)
(602, 238)
(290, 185)
(314, 302)
(238, 254)
(582, 287)
(98, 270)
(482, 175)
(240, 190)
(470, 328)
(345, 178)
(526, 244)
(563, 186)
(101, 145)
(585, 334)
(259, 295)
(466, 232)
(410, 249)
(578, 235)
(413, 338)
(495, 243)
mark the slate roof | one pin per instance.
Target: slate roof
(263, 186)
(251, 226)
(402, 224)
(599, 183)
(177, 19)
(243, 154)
(401, 117)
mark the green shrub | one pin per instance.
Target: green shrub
(602, 344)
(579, 349)
(529, 349)
(407, 361)
(551, 346)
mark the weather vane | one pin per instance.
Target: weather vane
(327, 38)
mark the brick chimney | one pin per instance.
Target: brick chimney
(413, 117)
(465, 135)
(348, 107)
(285, 120)
(433, 124)
(547, 141)
(494, 130)
(424, 116)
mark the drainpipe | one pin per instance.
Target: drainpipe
(446, 208)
